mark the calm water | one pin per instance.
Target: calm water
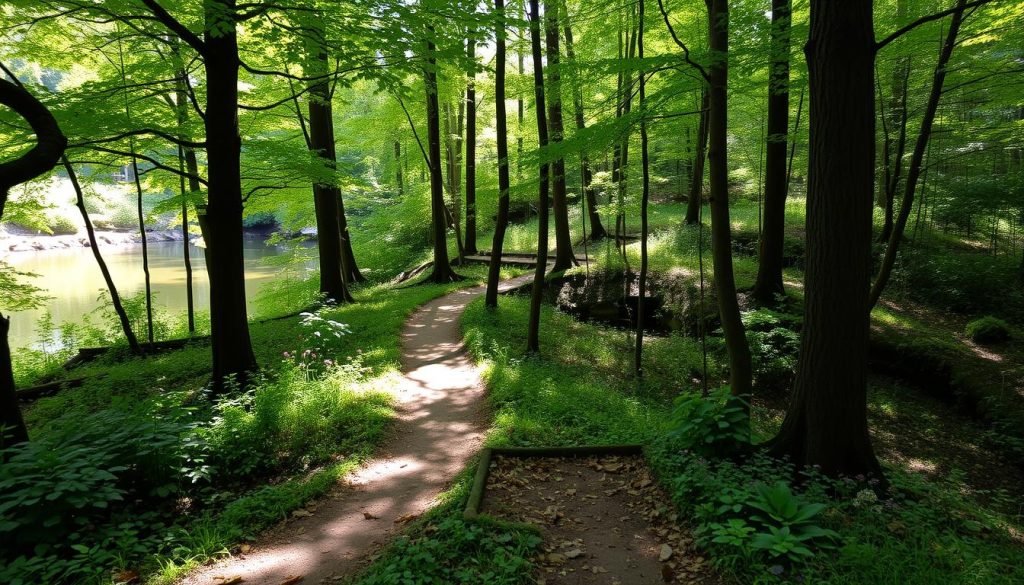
(72, 277)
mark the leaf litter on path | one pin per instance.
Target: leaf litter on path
(603, 518)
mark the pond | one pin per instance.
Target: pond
(72, 277)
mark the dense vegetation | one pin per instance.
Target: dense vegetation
(778, 244)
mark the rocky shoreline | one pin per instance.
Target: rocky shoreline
(34, 243)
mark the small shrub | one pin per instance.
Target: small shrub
(713, 426)
(988, 330)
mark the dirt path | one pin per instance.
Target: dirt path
(441, 421)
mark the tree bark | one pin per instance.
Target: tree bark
(564, 257)
(536, 293)
(597, 231)
(769, 267)
(721, 230)
(917, 157)
(115, 298)
(442, 271)
(644, 199)
(501, 124)
(826, 422)
(399, 183)
(40, 159)
(187, 162)
(229, 324)
(333, 273)
(470, 244)
(696, 197)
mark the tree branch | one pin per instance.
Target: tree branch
(925, 19)
(176, 26)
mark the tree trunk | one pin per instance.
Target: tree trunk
(442, 271)
(564, 257)
(769, 266)
(399, 183)
(721, 230)
(229, 324)
(186, 163)
(533, 333)
(333, 277)
(115, 298)
(644, 198)
(917, 157)
(826, 423)
(597, 231)
(501, 124)
(40, 159)
(696, 197)
(186, 252)
(471, 148)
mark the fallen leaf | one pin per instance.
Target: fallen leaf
(666, 552)
(230, 580)
(245, 549)
(301, 513)
(369, 516)
(572, 554)
(406, 518)
(291, 580)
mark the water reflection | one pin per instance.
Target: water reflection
(73, 279)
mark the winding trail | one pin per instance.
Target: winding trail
(441, 421)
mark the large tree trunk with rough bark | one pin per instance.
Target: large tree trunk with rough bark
(826, 422)
(225, 264)
(501, 123)
(769, 265)
(641, 308)
(536, 293)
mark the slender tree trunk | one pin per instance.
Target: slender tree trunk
(696, 197)
(564, 257)
(773, 235)
(721, 231)
(399, 183)
(917, 157)
(501, 123)
(145, 244)
(533, 333)
(826, 422)
(333, 276)
(442, 272)
(597, 231)
(894, 160)
(115, 298)
(644, 198)
(521, 105)
(40, 159)
(187, 253)
(471, 248)
(229, 324)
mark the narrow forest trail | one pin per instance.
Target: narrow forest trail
(441, 419)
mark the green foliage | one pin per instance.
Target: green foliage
(988, 330)
(715, 425)
(453, 550)
(774, 347)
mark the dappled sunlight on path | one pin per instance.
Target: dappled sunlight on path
(441, 421)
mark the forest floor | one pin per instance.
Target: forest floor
(604, 519)
(440, 424)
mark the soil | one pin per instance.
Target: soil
(603, 519)
(441, 421)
